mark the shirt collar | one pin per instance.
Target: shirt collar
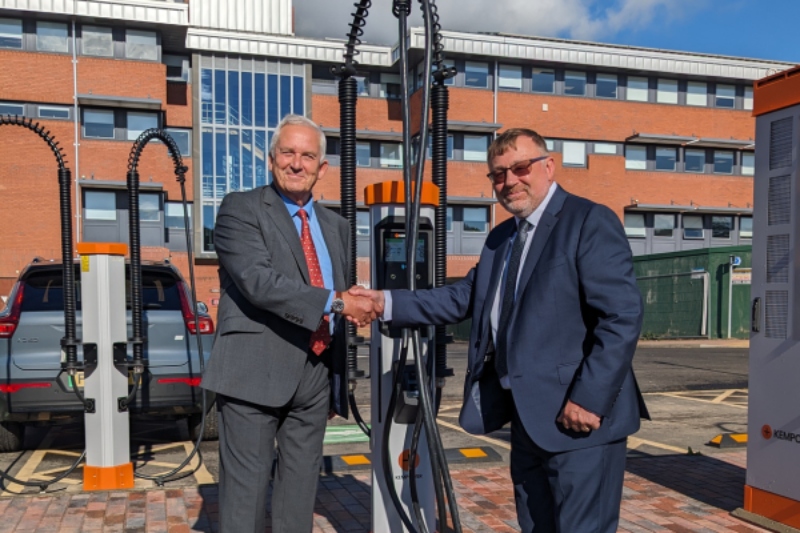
(294, 208)
(536, 216)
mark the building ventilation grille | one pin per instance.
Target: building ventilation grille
(780, 143)
(776, 314)
(778, 259)
(779, 203)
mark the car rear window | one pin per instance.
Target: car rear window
(44, 291)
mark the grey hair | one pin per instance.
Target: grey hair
(298, 120)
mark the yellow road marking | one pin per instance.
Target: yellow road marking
(682, 397)
(202, 475)
(722, 397)
(490, 440)
(635, 442)
(352, 460)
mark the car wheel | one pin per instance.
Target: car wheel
(211, 430)
(11, 436)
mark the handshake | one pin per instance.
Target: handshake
(362, 306)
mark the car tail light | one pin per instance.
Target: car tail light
(10, 388)
(10, 319)
(192, 382)
(204, 323)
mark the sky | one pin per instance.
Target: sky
(760, 29)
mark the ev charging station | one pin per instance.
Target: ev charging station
(105, 340)
(388, 264)
(773, 444)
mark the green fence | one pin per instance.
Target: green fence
(675, 305)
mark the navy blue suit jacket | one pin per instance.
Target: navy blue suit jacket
(573, 330)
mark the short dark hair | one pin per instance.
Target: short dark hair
(508, 139)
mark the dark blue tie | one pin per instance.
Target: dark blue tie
(509, 293)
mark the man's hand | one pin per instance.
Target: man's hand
(576, 418)
(378, 301)
(357, 309)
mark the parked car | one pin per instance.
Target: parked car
(34, 390)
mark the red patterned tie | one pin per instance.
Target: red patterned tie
(321, 338)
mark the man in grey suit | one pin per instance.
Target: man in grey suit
(556, 315)
(278, 362)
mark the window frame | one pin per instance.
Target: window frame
(517, 86)
(40, 108)
(674, 153)
(730, 228)
(634, 231)
(99, 111)
(731, 99)
(91, 28)
(664, 92)
(474, 64)
(133, 32)
(601, 75)
(746, 234)
(629, 162)
(543, 71)
(656, 228)
(52, 25)
(575, 75)
(689, 236)
(690, 95)
(578, 145)
(732, 161)
(13, 36)
(631, 91)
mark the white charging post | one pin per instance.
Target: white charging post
(104, 325)
(388, 264)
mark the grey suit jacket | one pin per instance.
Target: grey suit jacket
(268, 309)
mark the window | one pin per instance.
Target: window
(52, 37)
(139, 122)
(550, 144)
(475, 220)
(182, 138)
(97, 41)
(748, 163)
(725, 96)
(150, 206)
(12, 109)
(363, 154)
(391, 155)
(697, 93)
(721, 227)
(747, 103)
(510, 77)
(663, 225)
(53, 112)
(98, 123)
(362, 85)
(667, 92)
(10, 33)
(362, 223)
(605, 148)
(692, 227)
(173, 215)
(606, 86)
(100, 205)
(449, 147)
(694, 160)
(575, 83)
(390, 86)
(178, 71)
(543, 80)
(574, 153)
(636, 157)
(475, 147)
(449, 219)
(666, 158)
(638, 89)
(746, 227)
(634, 225)
(476, 74)
(723, 162)
(141, 44)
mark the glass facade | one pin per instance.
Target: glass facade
(241, 103)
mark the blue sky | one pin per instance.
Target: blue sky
(764, 29)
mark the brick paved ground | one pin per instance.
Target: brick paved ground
(668, 493)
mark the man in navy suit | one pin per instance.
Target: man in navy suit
(556, 315)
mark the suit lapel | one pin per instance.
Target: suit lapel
(282, 221)
(540, 237)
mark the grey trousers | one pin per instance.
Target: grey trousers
(247, 437)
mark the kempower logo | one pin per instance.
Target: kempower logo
(403, 460)
(768, 433)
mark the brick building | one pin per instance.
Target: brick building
(665, 138)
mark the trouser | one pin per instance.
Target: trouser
(247, 437)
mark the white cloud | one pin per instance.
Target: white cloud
(572, 19)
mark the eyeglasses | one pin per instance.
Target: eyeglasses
(521, 168)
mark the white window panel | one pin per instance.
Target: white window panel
(12, 109)
(550, 144)
(53, 112)
(140, 44)
(748, 163)
(510, 77)
(449, 223)
(391, 155)
(100, 205)
(748, 97)
(475, 148)
(97, 41)
(362, 223)
(693, 227)
(139, 122)
(98, 123)
(638, 89)
(725, 96)
(634, 225)
(667, 91)
(574, 153)
(636, 157)
(52, 37)
(10, 33)
(697, 93)
(173, 215)
(746, 227)
(605, 148)
(149, 206)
